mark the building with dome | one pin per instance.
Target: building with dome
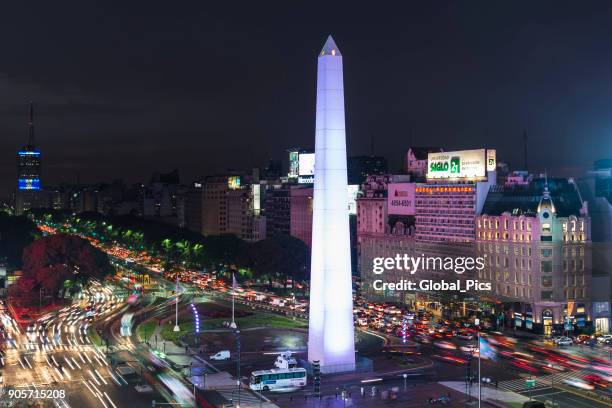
(536, 238)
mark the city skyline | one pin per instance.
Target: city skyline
(102, 121)
(306, 206)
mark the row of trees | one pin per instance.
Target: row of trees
(277, 258)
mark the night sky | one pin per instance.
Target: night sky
(124, 90)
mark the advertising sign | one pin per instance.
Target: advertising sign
(307, 164)
(400, 198)
(233, 182)
(294, 163)
(306, 168)
(463, 164)
(491, 160)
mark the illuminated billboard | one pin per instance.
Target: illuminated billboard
(294, 163)
(306, 168)
(400, 198)
(233, 182)
(491, 160)
(463, 164)
(307, 164)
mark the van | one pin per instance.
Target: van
(222, 355)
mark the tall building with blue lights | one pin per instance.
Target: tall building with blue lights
(28, 172)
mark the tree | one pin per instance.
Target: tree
(51, 261)
(16, 233)
(280, 257)
(225, 250)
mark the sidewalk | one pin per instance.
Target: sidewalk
(488, 393)
(411, 397)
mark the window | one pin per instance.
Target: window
(546, 227)
(546, 266)
(546, 252)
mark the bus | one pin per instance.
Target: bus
(278, 379)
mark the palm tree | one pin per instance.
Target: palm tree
(196, 253)
(167, 245)
(185, 250)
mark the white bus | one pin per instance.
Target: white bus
(278, 379)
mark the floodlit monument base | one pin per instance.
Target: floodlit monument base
(362, 365)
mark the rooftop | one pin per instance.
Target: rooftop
(524, 199)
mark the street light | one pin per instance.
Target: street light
(176, 325)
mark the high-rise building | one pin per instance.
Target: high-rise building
(331, 339)
(28, 194)
(193, 207)
(232, 204)
(300, 213)
(456, 188)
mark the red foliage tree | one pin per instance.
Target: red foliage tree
(50, 261)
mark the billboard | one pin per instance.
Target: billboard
(294, 163)
(400, 198)
(306, 168)
(462, 164)
(233, 182)
(307, 164)
(491, 160)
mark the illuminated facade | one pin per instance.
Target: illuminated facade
(536, 243)
(28, 194)
(331, 332)
(231, 204)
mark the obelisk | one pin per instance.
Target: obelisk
(331, 331)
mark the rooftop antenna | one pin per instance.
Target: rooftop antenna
(31, 126)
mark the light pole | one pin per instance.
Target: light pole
(479, 379)
(176, 325)
(405, 377)
(238, 363)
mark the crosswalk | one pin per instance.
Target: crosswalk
(247, 397)
(542, 382)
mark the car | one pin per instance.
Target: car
(602, 339)
(582, 339)
(143, 388)
(563, 341)
(220, 356)
(465, 336)
(596, 380)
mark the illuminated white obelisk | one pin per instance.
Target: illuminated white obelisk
(330, 332)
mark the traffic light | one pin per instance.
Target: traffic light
(316, 376)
